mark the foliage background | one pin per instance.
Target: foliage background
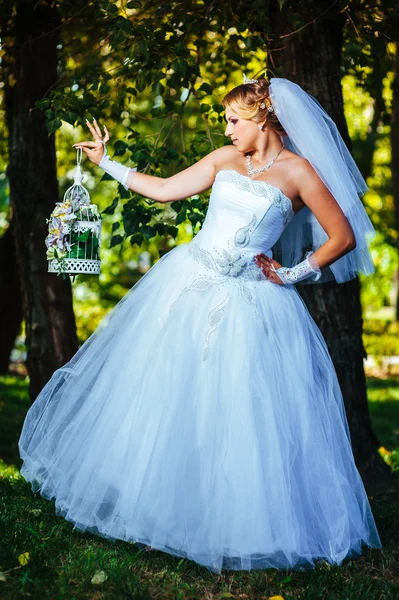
(157, 85)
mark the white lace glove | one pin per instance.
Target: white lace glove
(307, 268)
(115, 169)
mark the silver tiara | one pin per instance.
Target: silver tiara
(246, 80)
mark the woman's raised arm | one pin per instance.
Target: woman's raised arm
(193, 180)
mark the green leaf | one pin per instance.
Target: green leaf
(148, 232)
(70, 117)
(78, 251)
(172, 153)
(84, 236)
(205, 87)
(218, 108)
(120, 147)
(53, 125)
(181, 217)
(122, 192)
(195, 218)
(106, 177)
(104, 88)
(111, 209)
(24, 558)
(115, 240)
(176, 205)
(112, 9)
(205, 108)
(160, 228)
(43, 103)
(125, 25)
(137, 238)
(197, 203)
(115, 226)
(130, 222)
(173, 231)
(248, 42)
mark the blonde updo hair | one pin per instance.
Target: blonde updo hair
(245, 101)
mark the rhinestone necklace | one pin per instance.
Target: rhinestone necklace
(252, 171)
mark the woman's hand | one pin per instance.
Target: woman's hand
(94, 150)
(265, 263)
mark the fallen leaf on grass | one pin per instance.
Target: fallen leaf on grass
(99, 577)
(276, 598)
(23, 559)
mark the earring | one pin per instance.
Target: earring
(260, 127)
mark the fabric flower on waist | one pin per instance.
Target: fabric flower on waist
(232, 263)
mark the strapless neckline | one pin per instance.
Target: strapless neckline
(269, 185)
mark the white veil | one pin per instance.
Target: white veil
(312, 134)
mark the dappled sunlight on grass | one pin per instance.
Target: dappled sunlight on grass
(383, 395)
(9, 472)
(42, 556)
(14, 404)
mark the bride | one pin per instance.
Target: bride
(204, 417)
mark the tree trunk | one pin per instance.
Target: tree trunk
(312, 58)
(30, 44)
(10, 298)
(395, 149)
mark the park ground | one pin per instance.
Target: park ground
(42, 557)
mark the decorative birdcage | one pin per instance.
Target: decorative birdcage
(73, 241)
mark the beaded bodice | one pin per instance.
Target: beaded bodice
(244, 217)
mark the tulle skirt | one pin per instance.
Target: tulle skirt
(204, 419)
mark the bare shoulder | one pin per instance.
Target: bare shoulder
(294, 163)
(299, 170)
(300, 167)
(223, 156)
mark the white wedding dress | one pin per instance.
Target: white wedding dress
(204, 417)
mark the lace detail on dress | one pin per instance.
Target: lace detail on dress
(202, 284)
(243, 235)
(230, 267)
(230, 262)
(214, 318)
(259, 188)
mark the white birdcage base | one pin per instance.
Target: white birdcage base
(74, 265)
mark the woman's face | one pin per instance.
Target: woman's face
(243, 132)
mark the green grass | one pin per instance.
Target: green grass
(383, 395)
(60, 562)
